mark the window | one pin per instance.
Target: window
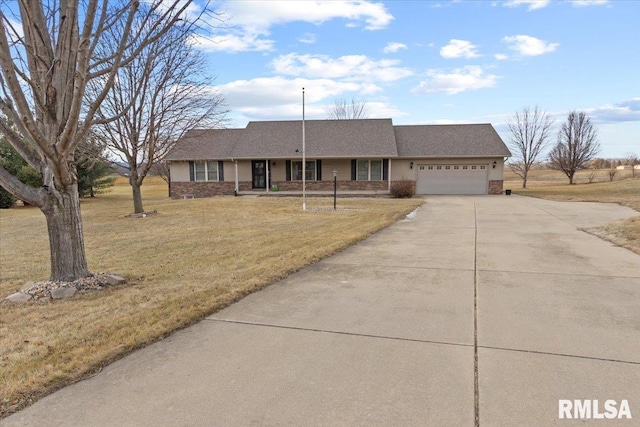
(465, 167)
(456, 167)
(369, 170)
(473, 167)
(310, 170)
(206, 171)
(430, 168)
(439, 167)
(483, 167)
(447, 167)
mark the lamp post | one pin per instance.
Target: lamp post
(335, 188)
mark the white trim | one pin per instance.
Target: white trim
(235, 167)
(267, 183)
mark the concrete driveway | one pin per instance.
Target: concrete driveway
(482, 310)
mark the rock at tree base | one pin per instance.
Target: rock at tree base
(19, 297)
(64, 292)
(114, 279)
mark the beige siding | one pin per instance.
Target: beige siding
(179, 171)
(244, 171)
(342, 166)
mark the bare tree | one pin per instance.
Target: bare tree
(163, 170)
(156, 98)
(612, 174)
(46, 61)
(577, 145)
(344, 110)
(530, 131)
(632, 159)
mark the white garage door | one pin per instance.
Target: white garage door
(452, 179)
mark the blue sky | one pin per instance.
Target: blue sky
(432, 62)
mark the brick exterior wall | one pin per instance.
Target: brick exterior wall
(213, 188)
(495, 187)
(206, 188)
(328, 185)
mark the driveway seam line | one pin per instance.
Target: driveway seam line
(547, 353)
(326, 331)
(559, 274)
(404, 267)
(476, 385)
(485, 347)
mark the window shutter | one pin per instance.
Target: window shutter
(385, 169)
(192, 172)
(354, 169)
(220, 170)
(288, 170)
(319, 170)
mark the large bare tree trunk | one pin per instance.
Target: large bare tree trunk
(46, 63)
(137, 196)
(66, 241)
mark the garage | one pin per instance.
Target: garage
(452, 179)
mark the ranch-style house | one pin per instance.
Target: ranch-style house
(367, 154)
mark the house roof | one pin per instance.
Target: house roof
(471, 140)
(204, 144)
(373, 138)
(323, 138)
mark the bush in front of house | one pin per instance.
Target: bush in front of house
(403, 189)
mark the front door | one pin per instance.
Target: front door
(259, 173)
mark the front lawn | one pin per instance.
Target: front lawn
(191, 259)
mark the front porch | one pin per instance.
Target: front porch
(298, 193)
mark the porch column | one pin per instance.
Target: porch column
(266, 184)
(389, 175)
(235, 168)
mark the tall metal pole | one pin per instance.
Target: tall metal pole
(304, 161)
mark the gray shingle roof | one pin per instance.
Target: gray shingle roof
(339, 139)
(204, 144)
(449, 141)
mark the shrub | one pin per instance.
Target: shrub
(404, 189)
(6, 199)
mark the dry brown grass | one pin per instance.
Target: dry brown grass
(624, 190)
(193, 258)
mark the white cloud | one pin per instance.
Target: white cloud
(14, 29)
(459, 49)
(459, 80)
(393, 47)
(278, 98)
(348, 67)
(262, 14)
(529, 46)
(249, 22)
(271, 91)
(533, 4)
(580, 3)
(625, 111)
(231, 43)
(307, 38)
(501, 56)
